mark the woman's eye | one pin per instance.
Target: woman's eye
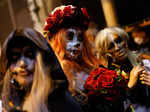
(30, 54)
(15, 56)
(118, 40)
(111, 46)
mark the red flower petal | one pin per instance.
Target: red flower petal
(84, 11)
(67, 11)
(102, 79)
(58, 14)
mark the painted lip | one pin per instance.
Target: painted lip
(122, 53)
(24, 72)
(74, 51)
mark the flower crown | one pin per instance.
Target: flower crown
(65, 17)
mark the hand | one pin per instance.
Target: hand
(134, 74)
(145, 78)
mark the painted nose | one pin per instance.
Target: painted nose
(118, 47)
(22, 63)
(77, 45)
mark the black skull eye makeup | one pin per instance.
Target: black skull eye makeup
(15, 56)
(30, 53)
(17, 53)
(111, 45)
(70, 35)
(74, 34)
(118, 40)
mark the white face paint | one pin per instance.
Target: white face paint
(74, 44)
(117, 48)
(23, 64)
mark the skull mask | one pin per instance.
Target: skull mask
(117, 48)
(74, 43)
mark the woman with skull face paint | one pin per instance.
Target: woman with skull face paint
(111, 46)
(65, 30)
(28, 65)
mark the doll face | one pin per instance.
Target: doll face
(74, 43)
(117, 48)
(139, 37)
(23, 64)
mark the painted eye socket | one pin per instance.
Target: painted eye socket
(111, 46)
(15, 56)
(118, 40)
(70, 35)
(30, 53)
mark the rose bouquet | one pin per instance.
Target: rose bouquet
(106, 83)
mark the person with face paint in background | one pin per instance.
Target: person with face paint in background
(29, 65)
(65, 30)
(141, 37)
(111, 46)
(17, 68)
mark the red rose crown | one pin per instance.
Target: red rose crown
(65, 17)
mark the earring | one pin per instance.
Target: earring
(15, 84)
(12, 81)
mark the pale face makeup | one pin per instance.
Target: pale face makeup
(139, 37)
(117, 48)
(74, 43)
(23, 64)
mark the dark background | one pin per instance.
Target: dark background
(128, 11)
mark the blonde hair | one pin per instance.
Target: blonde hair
(104, 37)
(36, 101)
(42, 82)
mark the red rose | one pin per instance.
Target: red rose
(46, 27)
(84, 11)
(107, 79)
(97, 71)
(58, 14)
(67, 11)
(108, 83)
(51, 21)
(91, 93)
(91, 82)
